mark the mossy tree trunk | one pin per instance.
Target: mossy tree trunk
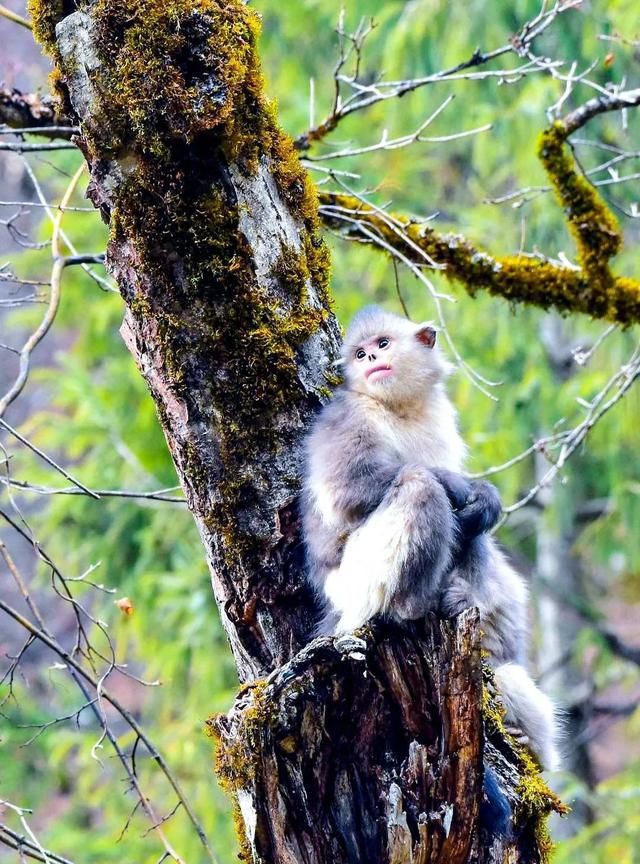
(366, 749)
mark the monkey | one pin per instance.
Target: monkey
(392, 528)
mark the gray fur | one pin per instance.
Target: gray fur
(363, 477)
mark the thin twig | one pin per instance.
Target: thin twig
(59, 263)
(14, 17)
(43, 636)
(31, 446)
(366, 94)
(569, 441)
(22, 147)
(157, 495)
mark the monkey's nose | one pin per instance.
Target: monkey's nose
(372, 356)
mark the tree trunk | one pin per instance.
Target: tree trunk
(364, 749)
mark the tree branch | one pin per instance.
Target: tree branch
(14, 17)
(590, 288)
(33, 113)
(366, 94)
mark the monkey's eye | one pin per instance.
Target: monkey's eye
(384, 343)
(360, 354)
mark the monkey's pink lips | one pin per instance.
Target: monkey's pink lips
(381, 371)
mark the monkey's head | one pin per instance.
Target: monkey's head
(390, 357)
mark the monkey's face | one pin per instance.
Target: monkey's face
(396, 364)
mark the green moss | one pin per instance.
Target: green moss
(175, 205)
(44, 15)
(178, 95)
(236, 762)
(535, 802)
(173, 68)
(593, 226)
(591, 289)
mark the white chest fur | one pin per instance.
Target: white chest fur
(426, 437)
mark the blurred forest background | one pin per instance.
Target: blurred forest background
(577, 539)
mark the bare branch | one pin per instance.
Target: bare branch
(82, 678)
(59, 263)
(600, 105)
(14, 17)
(31, 446)
(620, 647)
(568, 441)
(364, 95)
(101, 281)
(157, 495)
(404, 140)
(21, 147)
(32, 113)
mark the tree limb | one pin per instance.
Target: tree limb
(12, 16)
(590, 288)
(33, 113)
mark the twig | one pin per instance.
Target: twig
(47, 459)
(569, 441)
(59, 263)
(104, 283)
(43, 636)
(404, 140)
(619, 647)
(365, 95)
(52, 131)
(24, 846)
(600, 105)
(33, 840)
(14, 17)
(21, 147)
(158, 495)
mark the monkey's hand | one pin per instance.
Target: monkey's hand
(482, 510)
(476, 503)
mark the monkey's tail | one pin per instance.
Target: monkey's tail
(530, 710)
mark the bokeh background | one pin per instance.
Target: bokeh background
(578, 541)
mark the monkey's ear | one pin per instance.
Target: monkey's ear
(427, 335)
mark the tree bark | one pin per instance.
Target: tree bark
(364, 749)
(370, 748)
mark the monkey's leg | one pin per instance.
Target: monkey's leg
(394, 562)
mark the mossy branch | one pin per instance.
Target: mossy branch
(590, 288)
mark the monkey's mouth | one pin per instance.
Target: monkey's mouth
(380, 371)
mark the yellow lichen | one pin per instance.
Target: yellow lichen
(591, 289)
(236, 762)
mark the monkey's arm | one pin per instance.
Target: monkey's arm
(476, 504)
(350, 472)
(366, 478)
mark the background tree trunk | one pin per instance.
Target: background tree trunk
(361, 749)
